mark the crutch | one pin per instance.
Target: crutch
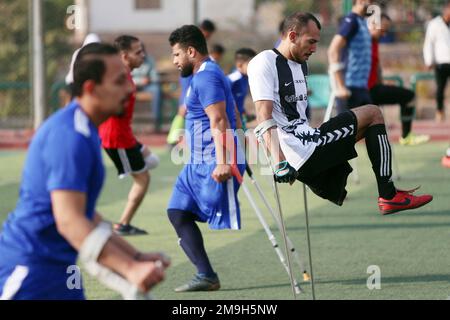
(270, 235)
(296, 289)
(294, 252)
(259, 131)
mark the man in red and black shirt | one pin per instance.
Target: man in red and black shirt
(382, 94)
(129, 156)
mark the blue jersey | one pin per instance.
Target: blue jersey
(239, 88)
(358, 51)
(208, 86)
(64, 154)
(184, 84)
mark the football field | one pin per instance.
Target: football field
(410, 250)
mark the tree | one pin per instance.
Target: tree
(15, 59)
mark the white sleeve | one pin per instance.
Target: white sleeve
(428, 47)
(261, 78)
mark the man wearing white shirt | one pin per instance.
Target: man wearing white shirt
(436, 52)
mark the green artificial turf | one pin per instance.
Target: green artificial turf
(411, 249)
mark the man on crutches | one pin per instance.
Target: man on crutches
(317, 156)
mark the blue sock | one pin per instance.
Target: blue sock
(191, 240)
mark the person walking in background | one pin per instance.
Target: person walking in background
(239, 81)
(383, 94)
(146, 78)
(436, 52)
(208, 28)
(129, 156)
(217, 52)
(350, 59)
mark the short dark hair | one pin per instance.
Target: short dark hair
(298, 21)
(189, 36)
(244, 54)
(90, 65)
(218, 48)
(208, 25)
(124, 42)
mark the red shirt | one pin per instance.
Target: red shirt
(116, 132)
(373, 78)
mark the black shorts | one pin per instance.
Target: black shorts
(327, 170)
(128, 161)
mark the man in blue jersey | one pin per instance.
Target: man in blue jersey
(208, 28)
(55, 217)
(350, 58)
(239, 80)
(205, 190)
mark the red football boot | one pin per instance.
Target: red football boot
(403, 200)
(446, 162)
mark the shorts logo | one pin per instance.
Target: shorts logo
(287, 84)
(336, 135)
(404, 203)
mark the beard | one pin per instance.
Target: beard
(187, 70)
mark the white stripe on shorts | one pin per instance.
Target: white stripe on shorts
(125, 162)
(232, 205)
(14, 282)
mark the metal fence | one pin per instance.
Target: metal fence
(16, 57)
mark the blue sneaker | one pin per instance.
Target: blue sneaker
(201, 283)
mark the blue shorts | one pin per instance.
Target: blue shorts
(39, 282)
(216, 203)
(359, 97)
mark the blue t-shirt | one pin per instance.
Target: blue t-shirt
(184, 84)
(208, 86)
(239, 88)
(65, 154)
(358, 52)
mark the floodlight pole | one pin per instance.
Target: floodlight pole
(38, 85)
(196, 12)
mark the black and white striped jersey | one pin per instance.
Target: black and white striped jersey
(273, 77)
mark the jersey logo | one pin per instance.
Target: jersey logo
(287, 84)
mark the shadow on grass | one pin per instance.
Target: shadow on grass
(378, 226)
(279, 285)
(395, 279)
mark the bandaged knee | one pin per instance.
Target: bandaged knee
(152, 161)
